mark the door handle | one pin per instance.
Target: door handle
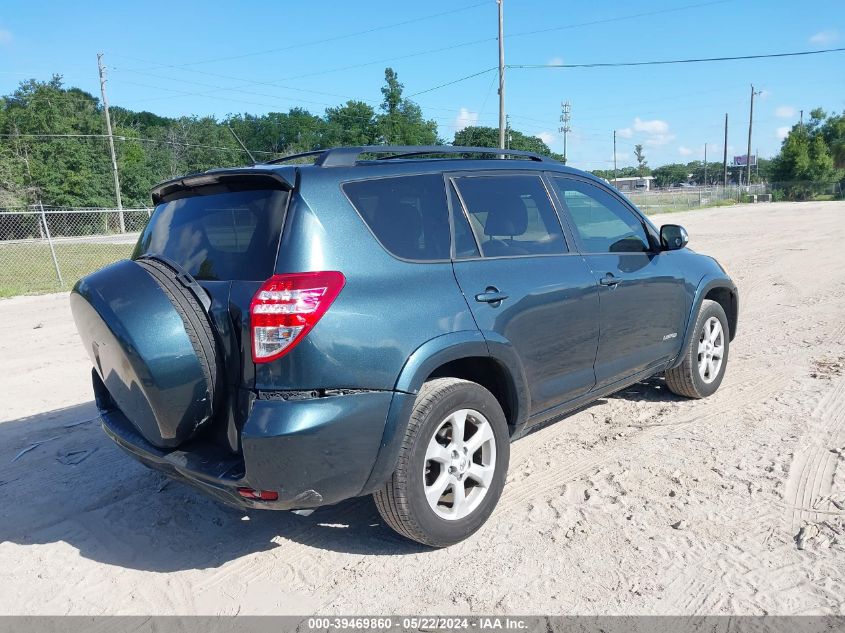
(492, 296)
(609, 280)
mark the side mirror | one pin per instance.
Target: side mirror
(673, 237)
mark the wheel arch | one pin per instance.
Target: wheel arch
(719, 289)
(466, 354)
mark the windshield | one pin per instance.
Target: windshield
(222, 236)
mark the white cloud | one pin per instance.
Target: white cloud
(465, 119)
(659, 139)
(625, 132)
(685, 151)
(547, 137)
(6, 37)
(764, 94)
(823, 38)
(555, 61)
(783, 132)
(785, 112)
(655, 126)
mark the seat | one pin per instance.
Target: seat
(508, 217)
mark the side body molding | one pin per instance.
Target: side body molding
(422, 362)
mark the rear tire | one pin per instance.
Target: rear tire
(422, 500)
(705, 357)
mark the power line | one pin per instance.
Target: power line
(454, 81)
(664, 62)
(135, 138)
(321, 41)
(618, 18)
(183, 67)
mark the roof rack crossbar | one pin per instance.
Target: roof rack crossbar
(349, 156)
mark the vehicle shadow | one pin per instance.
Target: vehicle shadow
(652, 389)
(63, 481)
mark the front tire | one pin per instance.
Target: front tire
(451, 467)
(706, 356)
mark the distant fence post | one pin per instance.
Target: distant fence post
(50, 242)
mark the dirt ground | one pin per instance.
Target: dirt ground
(643, 503)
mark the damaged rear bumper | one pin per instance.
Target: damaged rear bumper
(312, 452)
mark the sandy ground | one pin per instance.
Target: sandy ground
(641, 503)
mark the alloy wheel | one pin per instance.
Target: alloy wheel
(460, 460)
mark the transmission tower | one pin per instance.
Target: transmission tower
(565, 118)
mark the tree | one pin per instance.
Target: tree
(401, 121)
(805, 157)
(483, 136)
(671, 175)
(642, 165)
(353, 123)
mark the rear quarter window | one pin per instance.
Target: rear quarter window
(407, 214)
(223, 236)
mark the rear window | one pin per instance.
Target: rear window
(407, 214)
(223, 236)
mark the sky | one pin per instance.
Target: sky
(187, 57)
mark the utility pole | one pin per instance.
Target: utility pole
(705, 164)
(750, 124)
(501, 74)
(111, 141)
(726, 150)
(615, 174)
(565, 117)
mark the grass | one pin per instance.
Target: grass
(27, 269)
(653, 208)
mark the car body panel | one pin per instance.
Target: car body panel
(326, 421)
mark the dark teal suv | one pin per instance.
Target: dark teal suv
(385, 321)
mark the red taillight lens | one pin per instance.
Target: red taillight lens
(285, 309)
(258, 495)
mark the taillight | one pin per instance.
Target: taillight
(258, 495)
(285, 309)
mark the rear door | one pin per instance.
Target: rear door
(522, 281)
(641, 290)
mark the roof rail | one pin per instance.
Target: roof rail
(349, 156)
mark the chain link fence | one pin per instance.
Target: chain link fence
(49, 249)
(687, 198)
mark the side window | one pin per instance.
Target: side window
(511, 215)
(602, 222)
(407, 214)
(465, 245)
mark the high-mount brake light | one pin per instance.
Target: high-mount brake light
(285, 309)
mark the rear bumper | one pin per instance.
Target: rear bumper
(311, 452)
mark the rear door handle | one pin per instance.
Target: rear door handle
(492, 296)
(609, 280)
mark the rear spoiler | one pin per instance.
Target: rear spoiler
(222, 180)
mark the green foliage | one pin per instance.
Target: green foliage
(810, 154)
(76, 170)
(483, 136)
(401, 121)
(670, 175)
(642, 164)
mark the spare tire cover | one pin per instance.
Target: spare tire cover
(139, 343)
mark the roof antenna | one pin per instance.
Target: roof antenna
(241, 143)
